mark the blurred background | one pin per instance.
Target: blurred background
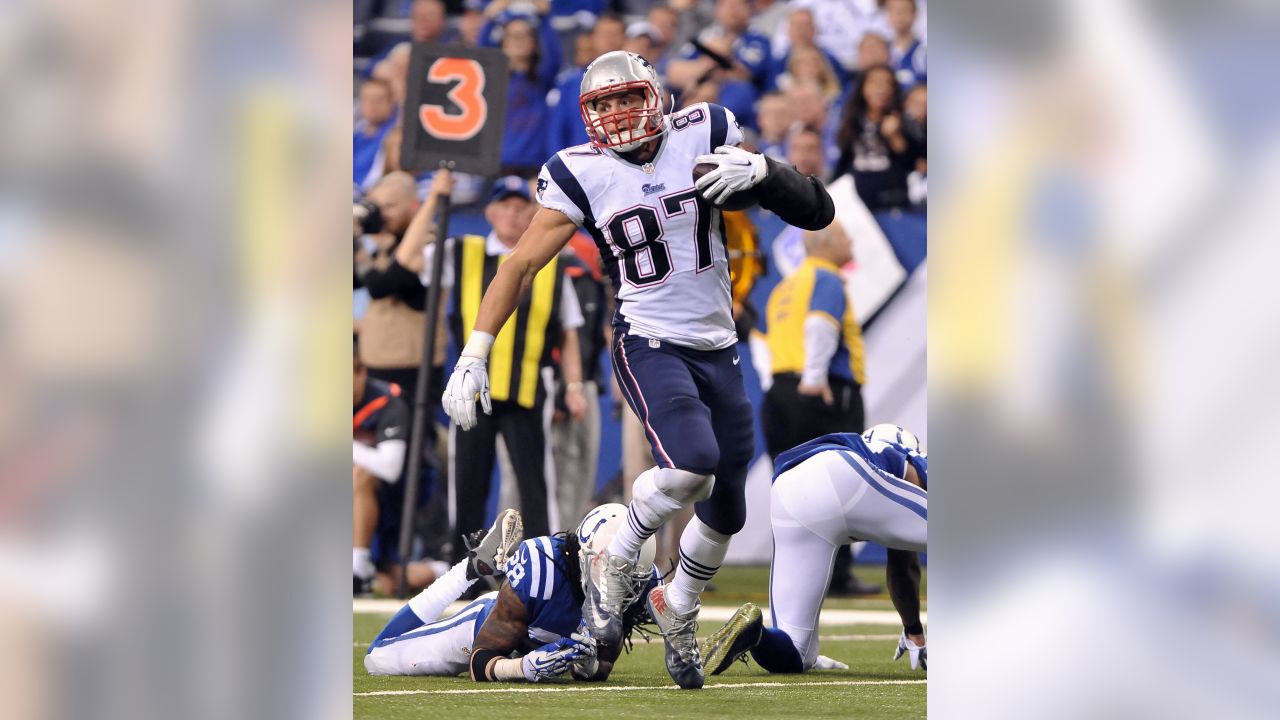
(175, 323)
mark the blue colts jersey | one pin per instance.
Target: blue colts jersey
(887, 456)
(552, 605)
(550, 602)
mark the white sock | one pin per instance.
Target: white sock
(650, 508)
(702, 550)
(361, 566)
(429, 604)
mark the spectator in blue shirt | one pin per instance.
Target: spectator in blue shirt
(801, 32)
(805, 150)
(906, 52)
(375, 115)
(427, 24)
(667, 21)
(810, 109)
(646, 40)
(774, 120)
(873, 50)
(745, 51)
(532, 51)
(546, 44)
(809, 64)
(565, 128)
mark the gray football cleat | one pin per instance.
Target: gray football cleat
(684, 663)
(734, 639)
(610, 589)
(487, 554)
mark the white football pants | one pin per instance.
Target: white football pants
(824, 502)
(439, 648)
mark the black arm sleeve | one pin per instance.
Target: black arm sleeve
(799, 200)
(396, 282)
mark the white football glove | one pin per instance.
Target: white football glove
(825, 663)
(469, 380)
(586, 666)
(551, 660)
(917, 655)
(736, 171)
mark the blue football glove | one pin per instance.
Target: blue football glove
(551, 660)
(586, 665)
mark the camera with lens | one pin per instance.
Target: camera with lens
(368, 216)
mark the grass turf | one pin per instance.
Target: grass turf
(815, 695)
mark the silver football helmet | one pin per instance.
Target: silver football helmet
(614, 73)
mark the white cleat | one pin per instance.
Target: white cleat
(916, 654)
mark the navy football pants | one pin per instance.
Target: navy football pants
(696, 415)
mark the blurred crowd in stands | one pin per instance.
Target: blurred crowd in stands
(832, 86)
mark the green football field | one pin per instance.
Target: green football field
(872, 687)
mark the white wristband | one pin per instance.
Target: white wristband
(509, 670)
(478, 345)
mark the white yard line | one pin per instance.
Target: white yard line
(828, 638)
(371, 606)
(635, 688)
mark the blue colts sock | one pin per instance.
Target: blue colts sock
(776, 653)
(402, 622)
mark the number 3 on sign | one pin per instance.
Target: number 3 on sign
(468, 95)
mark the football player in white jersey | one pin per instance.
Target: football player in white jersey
(827, 492)
(661, 237)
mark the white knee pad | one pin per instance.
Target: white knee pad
(680, 485)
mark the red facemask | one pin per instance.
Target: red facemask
(625, 128)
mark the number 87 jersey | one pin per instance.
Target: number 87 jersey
(661, 242)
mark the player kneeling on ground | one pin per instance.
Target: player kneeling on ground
(830, 491)
(531, 628)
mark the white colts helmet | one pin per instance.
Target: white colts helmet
(596, 531)
(619, 72)
(890, 433)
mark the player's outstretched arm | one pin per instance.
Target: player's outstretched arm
(799, 200)
(902, 575)
(547, 235)
(503, 631)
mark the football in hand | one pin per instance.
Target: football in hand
(737, 201)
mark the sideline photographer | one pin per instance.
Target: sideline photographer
(393, 327)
